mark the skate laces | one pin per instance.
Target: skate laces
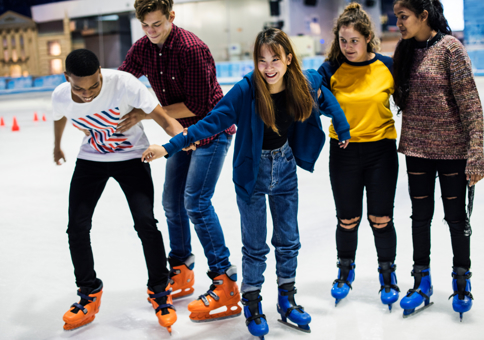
(79, 306)
(387, 279)
(253, 306)
(461, 286)
(211, 292)
(160, 299)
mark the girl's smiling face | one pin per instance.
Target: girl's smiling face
(273, 67)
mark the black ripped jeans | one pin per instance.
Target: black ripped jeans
(372, 166)
(453, 184)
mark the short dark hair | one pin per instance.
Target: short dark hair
(143, 7)
(82, 63)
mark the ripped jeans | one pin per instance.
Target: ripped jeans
(453, 185)
(372, 166)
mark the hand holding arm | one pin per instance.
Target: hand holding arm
(131, 119)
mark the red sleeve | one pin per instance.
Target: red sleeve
(197, 80)
(132, 62)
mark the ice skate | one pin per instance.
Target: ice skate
(162, 302)
(462, 297)
(286, 306)
(221, 301)
(84, 312)
(256, 321)
(421, 292)
(388, 281)
(346, 276)
(182, 277)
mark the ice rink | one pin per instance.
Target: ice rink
(37, 281)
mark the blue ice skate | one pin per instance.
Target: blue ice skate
(286, 306)
(461, 284)
(346, 276)
(255, 320)
(388, 281)
(421, 292)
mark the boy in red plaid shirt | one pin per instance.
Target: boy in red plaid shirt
(181, 71)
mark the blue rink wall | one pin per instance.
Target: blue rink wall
(228, 73)
(474, 33)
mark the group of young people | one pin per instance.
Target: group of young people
(277, 110)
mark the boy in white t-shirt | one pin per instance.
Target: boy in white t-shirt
(95, 101)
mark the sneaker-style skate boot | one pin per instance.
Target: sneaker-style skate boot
(162, 302)
(421, 292)
(223, 292)
(182, 277)
(346, 276)
(286, 306)
(461, 284)
(388, 281)
(256, 321)
(85, 311)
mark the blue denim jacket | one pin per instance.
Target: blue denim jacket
(238, 107)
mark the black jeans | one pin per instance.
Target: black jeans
(374, 166)
(87, 185)
(453, 184)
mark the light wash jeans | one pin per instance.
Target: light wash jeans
(277, 179)
(189, 186)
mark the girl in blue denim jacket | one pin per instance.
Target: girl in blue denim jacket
(277, 111)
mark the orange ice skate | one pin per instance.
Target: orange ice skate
(162, 301)
(85, 311)
(221, 301)
(182, 277)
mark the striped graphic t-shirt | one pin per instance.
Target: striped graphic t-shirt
(120, 93)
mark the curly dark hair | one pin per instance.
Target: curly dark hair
(82, 63)
(404, 52)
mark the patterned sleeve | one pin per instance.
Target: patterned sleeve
(197, 84)
(470, 108)
(132, 63)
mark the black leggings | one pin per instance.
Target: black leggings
(374, 166)
(87, 185)
(453, 185)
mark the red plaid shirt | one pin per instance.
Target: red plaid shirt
(182, 71)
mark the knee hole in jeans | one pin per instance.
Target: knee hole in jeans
(450, 198)
(420, 197)
(349, 224)
(454, 174)
(417, 173)
(379, 221)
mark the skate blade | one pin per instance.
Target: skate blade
(215, 318)
(295, 327)
(69, 327)
(418, 310)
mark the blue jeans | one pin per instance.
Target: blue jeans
(189, 186)
(277, 178)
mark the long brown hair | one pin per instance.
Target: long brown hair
(354, 15)
(298, 95)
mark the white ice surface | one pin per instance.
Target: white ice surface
(36, 274)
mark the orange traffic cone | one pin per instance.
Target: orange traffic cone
(15, 126)
(43, 118)
(36, 118)
(2, 122)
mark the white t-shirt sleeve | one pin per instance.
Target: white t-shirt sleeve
(57, 113)
(139, 96)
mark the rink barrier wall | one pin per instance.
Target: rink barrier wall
(228, 73)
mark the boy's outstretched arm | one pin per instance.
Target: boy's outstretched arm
(169, 124)
(59, 126)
